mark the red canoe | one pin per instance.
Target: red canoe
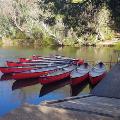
(48, 61)
(24, 60)
(52, 60)
(76, 61)
(35, 57)
(15, 64)
(80, 74)
(40, 59)
(35, 73)
(97, 73)
(51, 87)
(20, 64)
(56, 76)
(14, 69)
(17, 69)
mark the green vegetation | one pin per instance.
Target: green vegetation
(117, 46)
(59, 22)
(1, 43)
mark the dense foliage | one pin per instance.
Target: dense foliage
(64, 22)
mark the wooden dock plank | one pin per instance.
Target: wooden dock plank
(110, 85)
(32, 112)
(94, 105)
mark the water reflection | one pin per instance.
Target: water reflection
(8, 99)
(24, 83)
(6, 77)
(75, 90)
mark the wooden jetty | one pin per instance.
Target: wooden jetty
(102, 103)
(87, 108)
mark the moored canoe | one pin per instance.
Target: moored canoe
(23, 68)
(57, 75)
(14, 64)
(52, 59)
(35, 73)
(53, 86)
(15, 69)
(20, 64)
(80, 74)
(97, 73)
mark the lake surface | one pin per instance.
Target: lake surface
(14, 94)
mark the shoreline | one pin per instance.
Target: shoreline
(9, 43)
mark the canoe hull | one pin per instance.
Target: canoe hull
(75, 61)
(97, 79)
(14, 64)
(13, 70)
(19, 76)
(27, 64)
(24, 60)
(51, 79)
(78, 80)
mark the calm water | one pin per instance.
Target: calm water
(14, 94)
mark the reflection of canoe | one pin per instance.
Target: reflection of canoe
(97, 73)
(51, 87)
(6, 77)
(57, 75)
(35, 73)
(76, 89)
(20, 84)
(80, 74)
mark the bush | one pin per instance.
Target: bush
(69, 41)
(48, 40)
(117, 46)
(1, 42)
